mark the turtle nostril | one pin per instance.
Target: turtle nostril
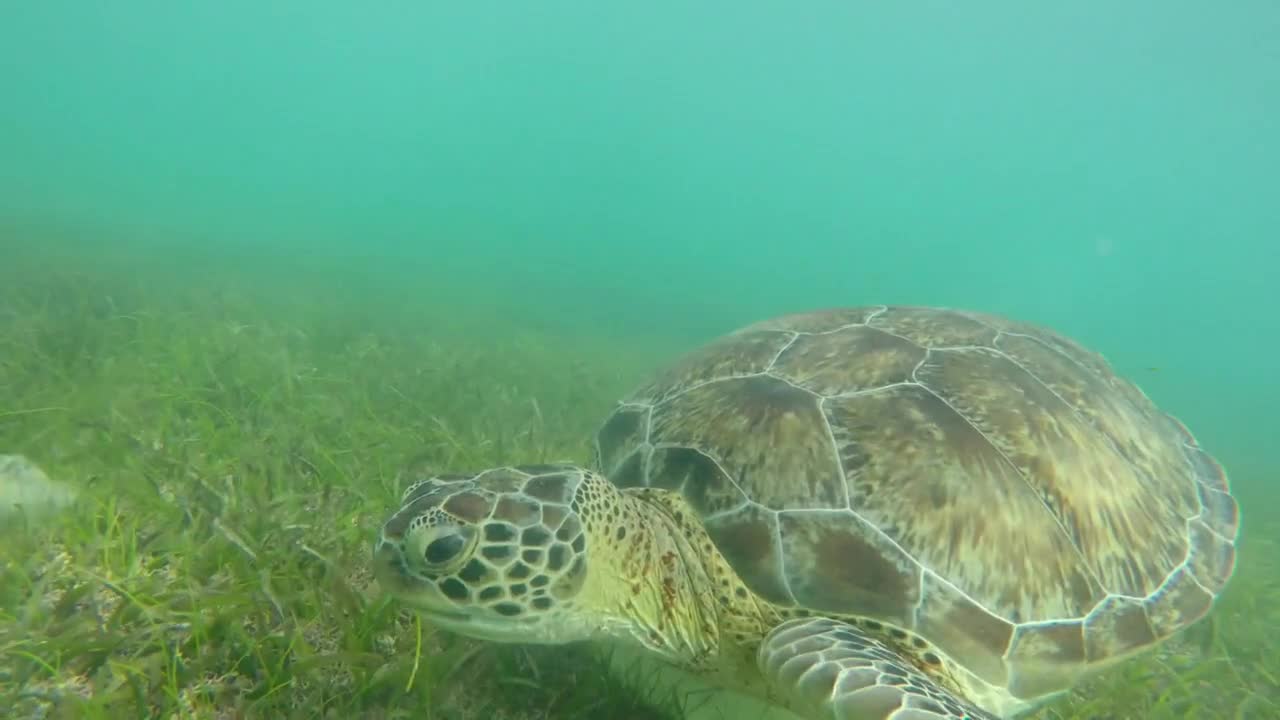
(444, 549)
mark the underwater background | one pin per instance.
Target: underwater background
(341, 235)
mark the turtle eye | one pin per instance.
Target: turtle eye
(442, 549)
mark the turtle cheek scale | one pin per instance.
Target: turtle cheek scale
(523, 573)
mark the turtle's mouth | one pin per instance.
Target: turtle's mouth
(481, 626)
(433, 612)
(417, 595)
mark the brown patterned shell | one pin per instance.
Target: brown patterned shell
(987, 483)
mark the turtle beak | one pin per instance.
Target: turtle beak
(390, 568)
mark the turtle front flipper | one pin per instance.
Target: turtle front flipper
(829, 670)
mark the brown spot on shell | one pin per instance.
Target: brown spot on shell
(1123, 518)
(767, 434)
(930, 481)
(702, 481)
(621, 435)
(747, 539)
(631, 472)
(1118, 627)
(964, 630)
(1045, 658)
(824, 363)
(836, 562)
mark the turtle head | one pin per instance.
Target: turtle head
(499, 555)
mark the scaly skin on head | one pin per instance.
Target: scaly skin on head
(557, 554)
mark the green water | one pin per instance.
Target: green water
(614, 185)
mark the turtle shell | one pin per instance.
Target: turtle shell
(990, 484)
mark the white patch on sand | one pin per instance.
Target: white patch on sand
(25, 488)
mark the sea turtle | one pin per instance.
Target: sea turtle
(876, 513)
